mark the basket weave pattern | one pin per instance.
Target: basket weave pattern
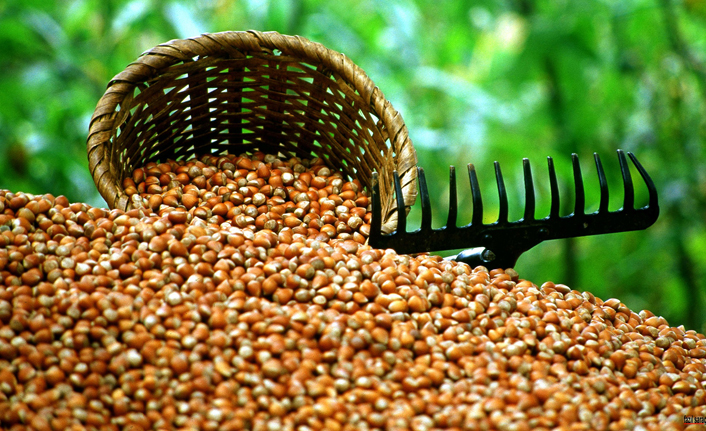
(240, 92)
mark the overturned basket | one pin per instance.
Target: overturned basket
(241, 92)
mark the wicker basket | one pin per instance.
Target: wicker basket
(240, 92)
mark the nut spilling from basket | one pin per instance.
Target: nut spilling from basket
(261, 192)
(181, 319)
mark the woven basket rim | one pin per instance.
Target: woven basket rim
(151, 64)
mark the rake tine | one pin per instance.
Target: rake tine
(648, 180)
(426, 203)
(554, 188)
(629, 200)
(477, 219)
(580, 203)
(401, 212)
(603, 206)
(453, 204)
(502, 193)
(529, 190)
(376, 222)
(501, 243)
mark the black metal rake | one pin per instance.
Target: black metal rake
(501, 243)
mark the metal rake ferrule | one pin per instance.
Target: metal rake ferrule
(501, 243)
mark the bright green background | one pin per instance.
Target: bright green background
(475, 81)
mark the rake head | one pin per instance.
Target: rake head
(501, 243)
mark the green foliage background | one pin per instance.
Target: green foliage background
(475, 81)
